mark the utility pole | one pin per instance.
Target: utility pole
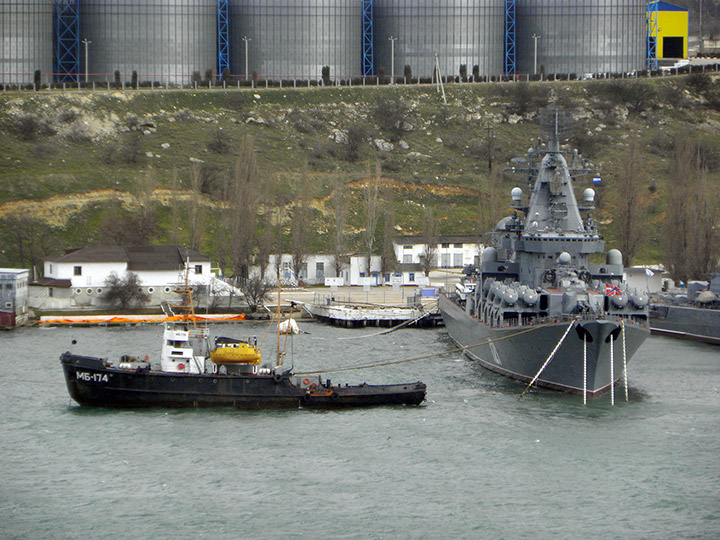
(86, 41)
(246, 39)
(392, 59)
(535, 37)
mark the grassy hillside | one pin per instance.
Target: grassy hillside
(77, 166)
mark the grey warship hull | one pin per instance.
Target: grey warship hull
(519, 352)
(687, 322)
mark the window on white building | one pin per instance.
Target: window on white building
(77, 270)
(319, 270)
(411, 277)
(407, 259)
(198, 268)
(457, 260)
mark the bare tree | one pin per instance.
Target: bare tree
(195, 210)
(242, 199)
(124, 290)
(692, 235)
(26, 241)
(631, 205)
(300, 226)
(370, 203)
(255, 289)
(265, 246)
(176, 218)
(490, 205)
(388, 260)
(430, 240)
(339, 203)
(144, 215)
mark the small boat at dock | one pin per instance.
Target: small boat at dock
(360, 315)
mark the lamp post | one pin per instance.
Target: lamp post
(535, 37)
(246, 39)
(392, 59)
(86, 41)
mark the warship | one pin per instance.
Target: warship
(692, 314)
(540, 311)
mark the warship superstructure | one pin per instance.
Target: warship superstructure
(541, 311)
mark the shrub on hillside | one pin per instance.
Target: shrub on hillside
(636, 95)
(390, 114)
(699, 82)
(524, 97)
(357, 134)
(588, 142)
(28, 127)
(219, 142)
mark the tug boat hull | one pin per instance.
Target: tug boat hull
(92, 381)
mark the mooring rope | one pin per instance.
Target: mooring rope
(584, 368)
(622, 323)
(612, 370)
(567, 331)
(416, 359)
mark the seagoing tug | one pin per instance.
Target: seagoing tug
(229, 373)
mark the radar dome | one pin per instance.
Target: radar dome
(589, 195)
(564, 258)
(614, 256)
(516, 194)
(489, 255)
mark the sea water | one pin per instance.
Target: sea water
(473, 462)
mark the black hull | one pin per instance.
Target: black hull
(91, 382)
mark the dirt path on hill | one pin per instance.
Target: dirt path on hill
(58, 209)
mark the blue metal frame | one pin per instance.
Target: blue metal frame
(510, 54)
(223, 30)
(66, 57)
(652, 35)
(368, 59)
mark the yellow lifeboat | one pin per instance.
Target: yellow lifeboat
(234, 351)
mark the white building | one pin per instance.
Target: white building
(353, 271)
(313, 272)
(650, 279)
(76, 279)
(404, 274)
(452, 250)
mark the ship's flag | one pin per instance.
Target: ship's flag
(612, 290)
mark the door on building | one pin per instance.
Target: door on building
(673, 47)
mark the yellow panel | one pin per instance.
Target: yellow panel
(672, 24)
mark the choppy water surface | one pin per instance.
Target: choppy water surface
(473, 462)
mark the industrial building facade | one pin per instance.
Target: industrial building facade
(173, 42)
